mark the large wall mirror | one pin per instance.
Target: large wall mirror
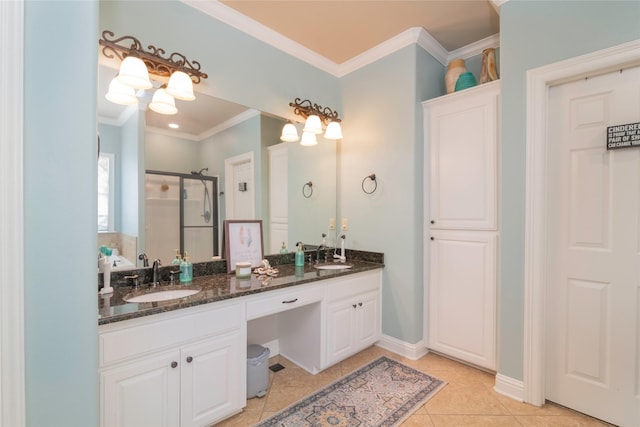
(164, 189)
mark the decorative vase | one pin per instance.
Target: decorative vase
(465, 81)
(489, 71)
(454, 69)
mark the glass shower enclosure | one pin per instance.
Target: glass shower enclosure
(181, 213)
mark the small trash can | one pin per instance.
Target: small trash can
(257, 370)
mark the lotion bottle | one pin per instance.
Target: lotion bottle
(299, 256)
(186, 269)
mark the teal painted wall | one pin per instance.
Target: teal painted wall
(241, 69)
(533, 34)
(60, 178)
(383, 135)
(380, 106)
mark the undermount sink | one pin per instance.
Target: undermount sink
(332, 266)
(165, 295)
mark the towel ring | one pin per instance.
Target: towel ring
(307, 193)
(372, 177)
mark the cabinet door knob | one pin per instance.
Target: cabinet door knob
(433, 222)
(189, 359)
(360, 304)
(433, 238)
(354, 306)
(174, 364)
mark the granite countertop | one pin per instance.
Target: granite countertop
(217, 287)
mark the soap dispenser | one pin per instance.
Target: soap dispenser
(186, 269)
(299, 260)
(178, 259)
(283, 249)
(106, 272)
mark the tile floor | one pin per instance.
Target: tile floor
(467, 400)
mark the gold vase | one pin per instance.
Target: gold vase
(454, 69)
(489, 71)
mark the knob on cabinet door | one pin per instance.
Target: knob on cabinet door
(189, 359)
(174, 364)
(433, 238)
(433, 222)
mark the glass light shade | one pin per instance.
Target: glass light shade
(313, 125)
(163, 103)
(308, 139)
(133, 73)
(334, 131)
(121, 94)
(289, 133)
(180, 86)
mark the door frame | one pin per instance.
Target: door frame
(229, 164)
(12, 365)
(539, 81)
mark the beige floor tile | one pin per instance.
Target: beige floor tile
(559, 421)
(418, 420)
(243, 419)
(465, 400)
(468, 398)
(474, 421)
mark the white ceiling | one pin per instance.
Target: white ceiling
(335, 30)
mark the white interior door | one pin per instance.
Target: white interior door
(240, 187)
(593, 291)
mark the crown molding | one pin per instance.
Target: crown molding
(233, 121)
(241, 22)
(418, 35)
(474, 48)
(122, 118)
(411, 36)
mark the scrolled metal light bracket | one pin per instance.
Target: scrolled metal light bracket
(306, 108)
(154, 58)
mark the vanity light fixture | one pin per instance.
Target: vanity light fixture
(316, 116)
(138, 63)
(308, 139)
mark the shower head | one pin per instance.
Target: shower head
(200, 172)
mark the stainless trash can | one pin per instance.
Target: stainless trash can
(257, 370)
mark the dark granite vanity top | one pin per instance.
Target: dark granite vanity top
(218, 287)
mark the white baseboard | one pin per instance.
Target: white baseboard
(410, 351)
(509, 387)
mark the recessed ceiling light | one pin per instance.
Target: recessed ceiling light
(174, 125)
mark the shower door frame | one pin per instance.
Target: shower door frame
(215, 211)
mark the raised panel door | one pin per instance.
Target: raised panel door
(145, 393)
(212, 382)
(340, 337)
(461, 134)
(367, 320)
(462, 295)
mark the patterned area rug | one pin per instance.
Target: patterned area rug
(383, 393)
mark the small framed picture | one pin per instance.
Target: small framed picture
(243, 242)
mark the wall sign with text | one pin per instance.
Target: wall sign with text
(623, 136)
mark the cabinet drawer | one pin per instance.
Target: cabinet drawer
(353, 285)
(157, 333)
(283, 300)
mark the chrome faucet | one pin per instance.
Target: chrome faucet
(145, 261)
(156, 265)
(320, 247)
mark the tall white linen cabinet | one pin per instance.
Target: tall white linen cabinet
(461, 223)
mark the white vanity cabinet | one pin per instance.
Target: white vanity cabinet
(461, 223)
(352, 315)
(184, 368)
